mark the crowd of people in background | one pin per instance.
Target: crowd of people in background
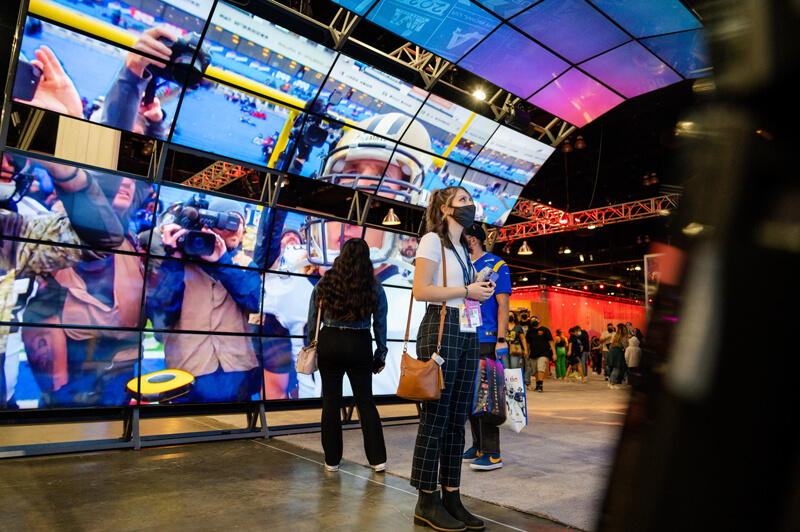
(615, 354)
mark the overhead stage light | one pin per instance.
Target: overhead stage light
(479, 94)
(524, 249)
(391, 218)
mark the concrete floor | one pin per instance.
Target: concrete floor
(241, 485)
(280, 483)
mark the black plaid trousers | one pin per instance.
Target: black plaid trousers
(440, 438)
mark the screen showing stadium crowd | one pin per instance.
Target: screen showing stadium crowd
(242, 87)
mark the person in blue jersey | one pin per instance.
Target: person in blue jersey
(485, 451)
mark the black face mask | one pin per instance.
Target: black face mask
(535, 323)
(464, 216)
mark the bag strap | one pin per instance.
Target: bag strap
(316, 332)
(443, 312)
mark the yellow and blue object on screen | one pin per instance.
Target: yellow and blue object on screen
(161, 386)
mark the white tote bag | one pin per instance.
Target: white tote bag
(516, 405)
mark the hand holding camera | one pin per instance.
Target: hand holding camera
(152, 41)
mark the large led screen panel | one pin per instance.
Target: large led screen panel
(456, 133)
(631, 70)
(448, 28)
(184, 213)
(360, 7)
(223, 368)
(576, 98)
(305, 248)
(284, 66)
(124, 22)
(571, 28)
(687, 52)
(494, 198)
(357, 92)
(506, 9)
(226, 121)
(69, 73)
(71, 278)
(505, 54)
(67, 367)
(512, 156)
(443, 174)
(645, 19)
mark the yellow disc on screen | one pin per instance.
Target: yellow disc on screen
(161, 386)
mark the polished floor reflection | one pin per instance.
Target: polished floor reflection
(241, 485)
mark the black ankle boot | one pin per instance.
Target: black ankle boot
(430, 512)
(451, 500)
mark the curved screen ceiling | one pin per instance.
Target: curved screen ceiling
(580, 58)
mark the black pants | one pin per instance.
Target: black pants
(349, 351)
(440, 437)
(485, 436)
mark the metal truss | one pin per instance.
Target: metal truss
(219, 174)
(430, 66)
(544, 220)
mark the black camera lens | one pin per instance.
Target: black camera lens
(197, 243)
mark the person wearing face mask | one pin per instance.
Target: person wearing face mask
(541, 349)
(440, 437)
(605, 340)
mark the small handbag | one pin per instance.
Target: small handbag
(422, 381)
(307, 357)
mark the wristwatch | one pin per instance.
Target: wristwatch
(501, 340)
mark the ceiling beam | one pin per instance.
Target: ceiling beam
(544, 220)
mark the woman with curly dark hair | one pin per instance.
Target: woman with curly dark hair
(350, 297)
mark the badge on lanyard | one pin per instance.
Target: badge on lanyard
(466, 318)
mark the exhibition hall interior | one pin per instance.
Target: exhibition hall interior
(178, 175)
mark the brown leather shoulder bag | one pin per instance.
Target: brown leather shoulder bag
(422, 381)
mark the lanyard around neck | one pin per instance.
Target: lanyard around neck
(466, 270)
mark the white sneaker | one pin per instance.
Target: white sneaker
(332, 468)
(379, 468)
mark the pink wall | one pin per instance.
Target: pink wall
(568, 309)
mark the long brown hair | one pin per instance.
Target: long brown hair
(435, 221)
(347, 291)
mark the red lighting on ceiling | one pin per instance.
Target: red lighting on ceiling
(564, 220)
(602, 286)
(585, 287)
(619, 285)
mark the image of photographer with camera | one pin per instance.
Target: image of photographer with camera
(131, 102)
(206, 295)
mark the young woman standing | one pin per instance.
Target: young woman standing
(440, 438)
(350, 297)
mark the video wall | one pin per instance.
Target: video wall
(112, 282)
(212, 77)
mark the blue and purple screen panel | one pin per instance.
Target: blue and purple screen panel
(576, 98)
(494, 198)
(506, 9)
(686, 52)
(571, 28)
(260, 51)
(514, 62)
(448, 28)
(645, 19)
(457, 134)
(631, 70)
(512, 156)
